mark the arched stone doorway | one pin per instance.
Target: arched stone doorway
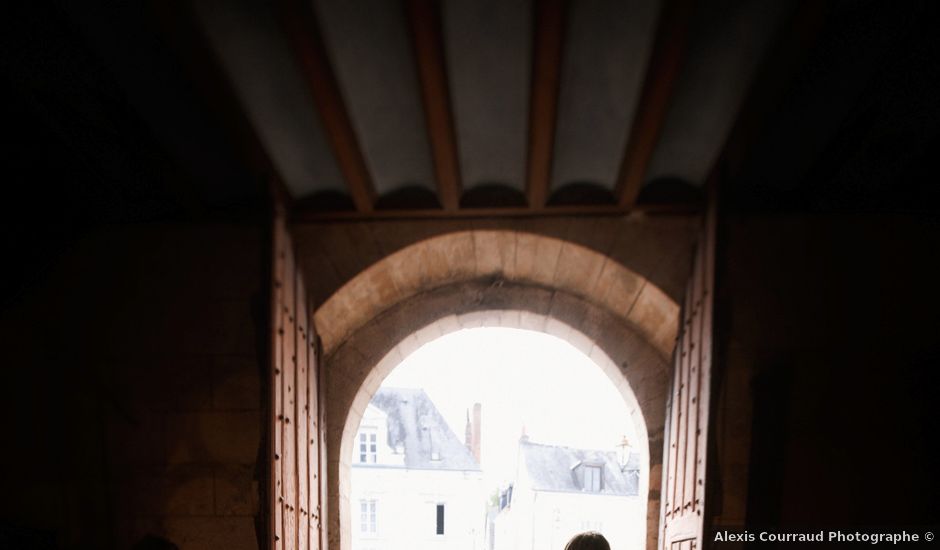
(493, 278)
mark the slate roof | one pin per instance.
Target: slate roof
(414, 421)
(554, 468)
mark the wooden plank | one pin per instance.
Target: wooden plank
(707, 339)
(277, 366)
(317, 487)
(313, 446)
(682, 434)
(683, 404)
(669, 493)
(661, 77)
(543, 105)
(664, 483)
(299, 23)
(302, 215)
(301, 414)
(695, 333)
(425, 19)
(289, 463)
(324, 480)
(674, 416)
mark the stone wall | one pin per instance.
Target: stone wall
(136, 408)
(828, 354)
(655, 247)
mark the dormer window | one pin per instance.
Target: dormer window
(368, 447)
(592, 478)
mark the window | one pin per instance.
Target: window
(367, 447)
(592, 525)
(592, 478)
(440, 519)
(367, 523)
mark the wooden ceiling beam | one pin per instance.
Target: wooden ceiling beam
(425, 20)
(543, 105)
(300, 215)
(303, 33)
(662, 74)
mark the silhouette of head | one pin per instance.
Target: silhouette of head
(151, 542)
(590, 540)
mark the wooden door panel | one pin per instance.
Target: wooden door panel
(288, 437)
(277, 389)
(301, 414)
(685, 441)
(296, 423)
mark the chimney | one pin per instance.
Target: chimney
(468, 433)
(477, 427)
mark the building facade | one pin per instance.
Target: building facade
(414, 484)
(560, 491)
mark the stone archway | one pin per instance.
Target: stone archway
(508, 255)
(479, 278)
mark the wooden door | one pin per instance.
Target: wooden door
(686, 432)
(296, 419)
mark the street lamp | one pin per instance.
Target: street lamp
(624, 452)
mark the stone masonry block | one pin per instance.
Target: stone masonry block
(657, 318)
(236, 491)
(230, 437)
(236, 383)
(532, 321)
(138, 440)
(189, 491)
(209, 533)
(568, 309)
(536, 258)
(495, 251)
(578, 269)
(617, 287)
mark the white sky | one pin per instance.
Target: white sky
(522, 378)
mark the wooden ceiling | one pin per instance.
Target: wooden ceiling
(379, 108)
(149, 111)
(417, 108)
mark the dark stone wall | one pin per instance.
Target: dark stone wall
(131, 391)
(828, 333)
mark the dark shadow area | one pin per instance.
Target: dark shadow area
(151, 542)
(408, 197)
(831, 320)
(326, 201)
(671, 191)
(492, 195)
(581, 193)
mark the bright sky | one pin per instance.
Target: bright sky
(523, 379)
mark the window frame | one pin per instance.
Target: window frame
(368, 452)
(596, 478)
(440, 524)
(368, 517)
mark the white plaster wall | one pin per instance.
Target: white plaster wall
(540, 520)
(406, 508)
